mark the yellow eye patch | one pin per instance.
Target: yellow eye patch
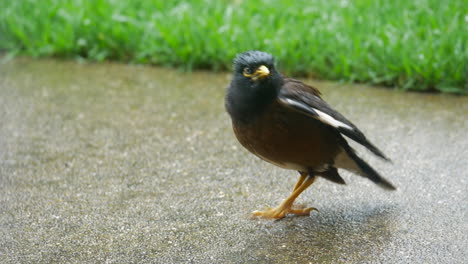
(247, 72)
(260, 73)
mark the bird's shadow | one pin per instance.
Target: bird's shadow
(333, 234)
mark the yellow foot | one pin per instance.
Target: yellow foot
(281, 211)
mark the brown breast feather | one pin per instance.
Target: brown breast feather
(289, 139)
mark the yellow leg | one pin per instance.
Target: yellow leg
(286, 207)
(299, 183)
(301, 180)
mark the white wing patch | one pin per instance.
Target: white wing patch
(330, 120)
(327, 119)
(296, 103)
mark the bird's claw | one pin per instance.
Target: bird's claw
(281, 212)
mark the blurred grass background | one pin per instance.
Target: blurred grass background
(412, 45)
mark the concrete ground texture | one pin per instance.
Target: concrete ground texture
(111, 163)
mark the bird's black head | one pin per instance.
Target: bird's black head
(254, 86)
(254, 65)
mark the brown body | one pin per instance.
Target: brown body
(289, 139)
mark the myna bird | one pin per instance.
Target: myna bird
(287, 123)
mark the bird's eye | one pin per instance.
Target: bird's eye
(247, 72)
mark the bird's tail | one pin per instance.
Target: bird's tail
(349, 160)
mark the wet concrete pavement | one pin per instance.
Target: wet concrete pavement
(129, 164)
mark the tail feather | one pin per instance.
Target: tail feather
(351, 161)
(332, 175)
(361, 139)
(370, 173)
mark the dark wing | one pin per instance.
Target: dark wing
(306, 99)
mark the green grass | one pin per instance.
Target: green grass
(409, 44)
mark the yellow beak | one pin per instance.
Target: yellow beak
(260, 73)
